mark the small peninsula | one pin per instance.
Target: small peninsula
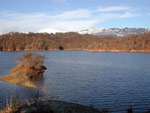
(29, 69)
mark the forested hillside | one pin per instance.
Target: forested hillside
(15, 41)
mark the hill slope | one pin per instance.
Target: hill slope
(74, 41)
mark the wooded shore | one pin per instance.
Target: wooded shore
(15, 41)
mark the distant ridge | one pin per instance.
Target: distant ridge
(120, 32)
(115, 31)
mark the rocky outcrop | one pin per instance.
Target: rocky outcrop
(24, 75)
(53, 106)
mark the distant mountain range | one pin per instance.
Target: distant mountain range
(114, 31)
(120, 32)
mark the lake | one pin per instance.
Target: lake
(111, 81)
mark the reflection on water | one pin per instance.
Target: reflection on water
(106, 80)
(39, 82)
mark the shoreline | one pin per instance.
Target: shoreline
(90, 50)
(122, 51)
(53, 106)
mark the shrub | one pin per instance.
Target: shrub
(31, 59)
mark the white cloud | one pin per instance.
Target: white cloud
(67, 21)
(74, 25)
(111, 9)
(69, 26)
(109, 16)
(77, 14)
(128, 15)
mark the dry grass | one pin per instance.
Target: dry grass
(12, 105)
(31, 59)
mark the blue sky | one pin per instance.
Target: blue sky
(72, 15)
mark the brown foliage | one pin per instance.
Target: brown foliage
(72, 41)
(31, 59)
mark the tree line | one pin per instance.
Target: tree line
(15, 41)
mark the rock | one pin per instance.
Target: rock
(54, 106)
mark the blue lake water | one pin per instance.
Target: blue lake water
(111, 81)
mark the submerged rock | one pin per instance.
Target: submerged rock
(53, 106)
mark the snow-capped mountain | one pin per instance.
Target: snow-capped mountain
(0, 33)
(114, 31)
